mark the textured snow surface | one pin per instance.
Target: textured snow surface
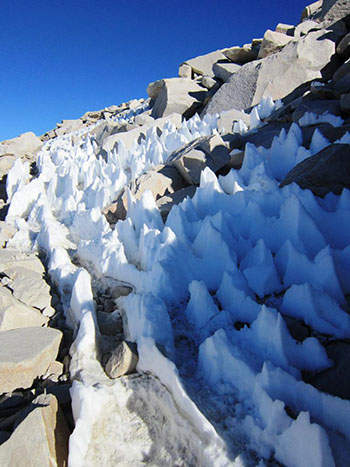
(211, 289)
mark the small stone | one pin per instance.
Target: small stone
(185, 71)
(208, 82)
(120, 291)
(285, 29)
(224, 70)
(273, 42)
(242, 55)
(123, 360)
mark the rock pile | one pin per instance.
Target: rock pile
(305, 68)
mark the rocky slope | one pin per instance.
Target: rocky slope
(175, 270)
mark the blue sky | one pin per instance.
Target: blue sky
(60, 58)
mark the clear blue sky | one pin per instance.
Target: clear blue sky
(60, 58)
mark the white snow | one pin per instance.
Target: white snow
(212, 284)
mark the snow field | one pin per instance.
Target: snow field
(242, 250)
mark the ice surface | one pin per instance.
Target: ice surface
(224, 269)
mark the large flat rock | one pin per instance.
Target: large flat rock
(276, 75)
(26, 354)
(25, 145)
(10, 259)
(191, 159)
(203, 64)
(181, 95)
(32, 290)
(327, 171)
(14, 314)
(334, 10)
(40, 439)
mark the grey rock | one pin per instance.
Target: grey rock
(160, 180)
(236, 160)
(6, 162)
(120, 291)
(7, 231)
(40, 437)
(227, 118)
(54, 371)
(153, 89)
(178, 95)
(191, 159)
(335, 380)
(276, 76)
(103, 130)
(144, 118)
(26, 354)
(273, 42)
(262, 136)
(342, 72)
(324, 92)
(345, 103)
(243, 54)
(32, 290)
(343, 84)
(123, 360)
(334, 10)
(165, 203)
(208, 82)
(25, 145)
(343, 48)
(311, 10)
(285, 29)
(224, 70)
(203, 64)
(67, 126)
(305, 27)
(238, 92)
(185, 71)
(331, 133)
(14, 314)
(327, 171)
(317, 107)
(11, 259)
(109, 324)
